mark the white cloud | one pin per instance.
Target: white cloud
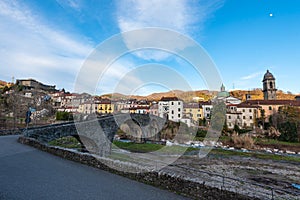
(252, 76)
(184, 16)
(31, 48)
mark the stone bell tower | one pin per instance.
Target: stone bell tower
(269, 87)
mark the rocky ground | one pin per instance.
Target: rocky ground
(251, 176)
(245, 175)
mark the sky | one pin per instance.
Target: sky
(56, 41)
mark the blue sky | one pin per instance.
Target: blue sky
(50, 40)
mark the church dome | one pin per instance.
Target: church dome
(268, 76)
(223, 92)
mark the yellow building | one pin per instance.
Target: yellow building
(105, 106)
(193, 111)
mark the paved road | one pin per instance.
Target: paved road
(27, 173)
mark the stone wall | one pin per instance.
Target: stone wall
(11, 132)
(162, 180)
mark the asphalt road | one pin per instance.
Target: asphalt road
(27, 173)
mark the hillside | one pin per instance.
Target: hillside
(2, 83)
(258, 94)
(187, 96)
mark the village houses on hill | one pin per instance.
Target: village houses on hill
(244, 114)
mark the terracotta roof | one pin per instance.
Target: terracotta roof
(169, 99)
(244, 105)
(273, 102)
(205, 103)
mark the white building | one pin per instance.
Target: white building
(243, 115)
(207, 107)
(88, 107)
(170, 108)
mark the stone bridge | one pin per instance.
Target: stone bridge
(96, 135)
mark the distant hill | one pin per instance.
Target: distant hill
(187, 96)
(257, 94)
(3, 83)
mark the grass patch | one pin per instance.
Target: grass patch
(66, 142)
(255, 155)
(118, 156)
(145, 148)
(135, 147)
(275, 142)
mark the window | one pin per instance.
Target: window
(229, 117)
(190, 110)
(178, 109)
(243, 110)
(244, 117)
(270, 107)
(250, 117)
(178, 103)
(238, 117)
(250, 110)
(198, 115)
(172, 112)
(179, 115)
(172, 103)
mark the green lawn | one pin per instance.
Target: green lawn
(144, 148)
(66, 142)
(70, 142)
(255, 155)
(275, 142)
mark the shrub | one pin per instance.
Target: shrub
(242, 141)
(201, 133)
(288, 132)
(60, 115)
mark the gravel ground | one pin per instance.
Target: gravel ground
(245, 175)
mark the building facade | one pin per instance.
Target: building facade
(170, 108)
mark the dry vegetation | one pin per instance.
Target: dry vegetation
(242, 141)
(258, 94)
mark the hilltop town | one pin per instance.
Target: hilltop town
(245, 110)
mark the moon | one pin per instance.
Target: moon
(271, 14)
